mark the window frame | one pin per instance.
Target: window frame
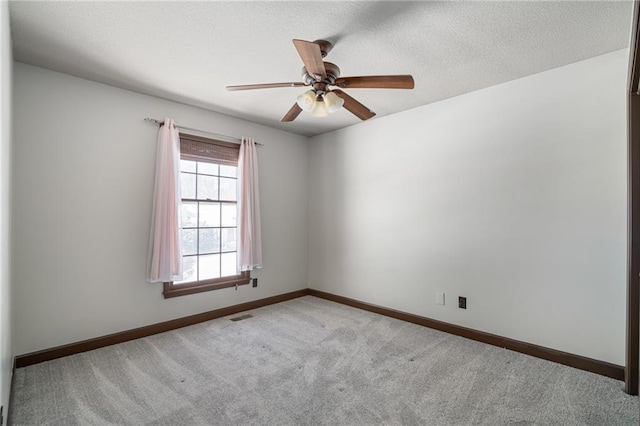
(243, 278)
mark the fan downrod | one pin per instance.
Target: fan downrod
(325, 46)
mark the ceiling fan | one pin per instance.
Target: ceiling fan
(321, 100)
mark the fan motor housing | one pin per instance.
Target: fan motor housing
(332, 70)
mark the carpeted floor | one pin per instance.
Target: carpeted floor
(309, 361)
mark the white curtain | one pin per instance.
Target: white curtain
(165, 252)
(249, 232)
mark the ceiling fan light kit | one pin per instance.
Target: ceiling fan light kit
(307, 100)
(320, 100)
(319, 108)
(333, 102)
(319, 105)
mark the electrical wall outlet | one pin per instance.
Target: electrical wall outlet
(462, 302)
(440, 298)
(255, 282)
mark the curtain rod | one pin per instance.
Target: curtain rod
(228, 138)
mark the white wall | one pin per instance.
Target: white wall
(84, 167)
(513, 196)
(6, 349)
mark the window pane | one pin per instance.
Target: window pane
(208, 168)
(209, 215)
(230, 171)
(189, 270)
(189, 215)
(228, 215)
(209, 266)
(228, 189)
(229, 266)
(188, 185)
(189, 241)
(228, 239)
(188, 166)
(207, 187)
(209, 241)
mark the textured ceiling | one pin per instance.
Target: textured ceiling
(189, 51)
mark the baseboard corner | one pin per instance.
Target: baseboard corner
(572, 360)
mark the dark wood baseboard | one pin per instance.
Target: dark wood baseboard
(136, 333)
(565, 358)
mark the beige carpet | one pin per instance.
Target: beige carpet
(309, 361)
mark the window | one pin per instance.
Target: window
(208, 171)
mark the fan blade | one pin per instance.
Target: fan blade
(265, 86)
(376, 82)
(355, 107)
(292, 113)
(311, 57)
